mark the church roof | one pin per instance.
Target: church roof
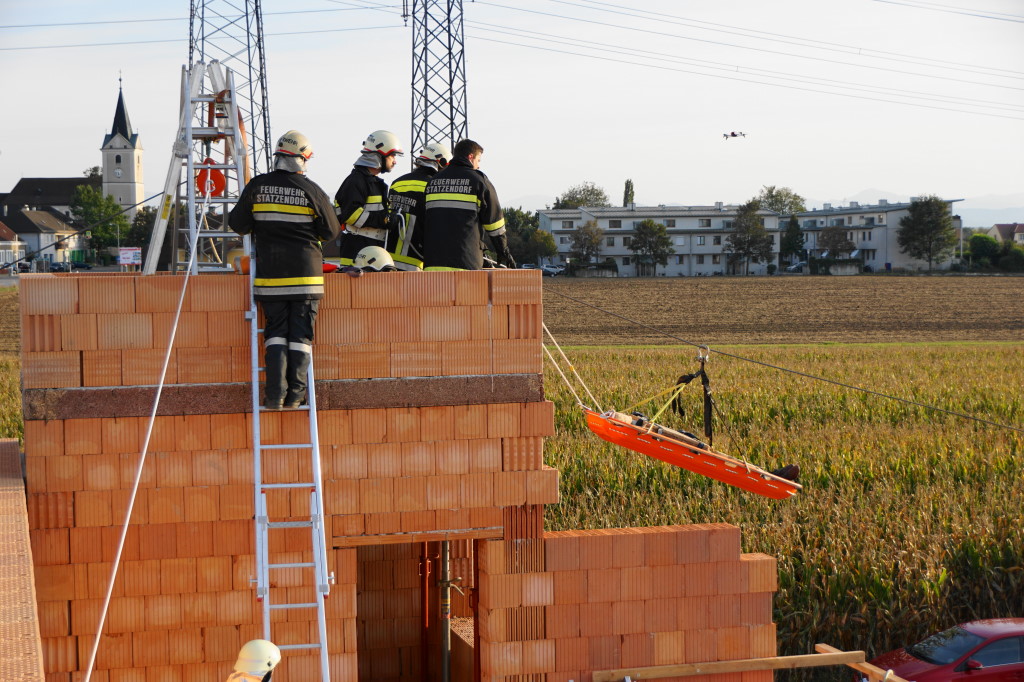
(122, 124)
(39, 192)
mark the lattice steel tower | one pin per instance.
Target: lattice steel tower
(438, 72)
(231, 31)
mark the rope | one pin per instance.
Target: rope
(571, 367)
(194, 247)
(679, 390)
(851, 387)
(564, 378)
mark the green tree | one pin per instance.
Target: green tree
(586, 243)
(792, 242)
(1012, 260)
(627, 194)
(749, 241)
(101, 214)
(584, 194)
(651, 243)
(781, 200)
(835, 240)
(141, 229)
(926, 232)
(526, 240)
(984, 249)
(93, 172)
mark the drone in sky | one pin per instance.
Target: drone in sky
(733, 134)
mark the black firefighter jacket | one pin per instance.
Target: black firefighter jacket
(288, 216)
(407, 199)
(462, 206)
(361, 204)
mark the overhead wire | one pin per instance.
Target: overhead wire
(795, 372)
(999, 16)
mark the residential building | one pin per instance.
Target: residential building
(872, 228)
(1008, 232)
(699, 235)
(39, 230)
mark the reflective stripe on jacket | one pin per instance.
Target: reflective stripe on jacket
(288, 216)
(461, 207)
(407, 198)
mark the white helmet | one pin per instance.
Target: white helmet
(437, 152)
(373, 258)
(384, 142)
(257, 657)
(294, 143)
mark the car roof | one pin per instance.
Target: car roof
(995, 627)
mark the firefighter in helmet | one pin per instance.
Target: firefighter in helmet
(256, 662)
(407, 199)
(361, 202)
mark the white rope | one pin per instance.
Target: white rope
(194, 245)
(571, 367)
(564, 378)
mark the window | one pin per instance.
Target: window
(627, 241)
(716, 240)
(610, 241)
(849, 235)
(680, 241)
(625, 260)
(614, 224)
(567, 224)
(1000, 652)
(849, 220)
(700, 259)
(716, 259)
(563, 240)
(704, 222)
(671, 222)
(726, 224)
(700, 240)
(117, 159)
(680, 260)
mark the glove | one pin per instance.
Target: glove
(504, 255)
(394, 222)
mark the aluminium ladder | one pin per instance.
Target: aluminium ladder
(209, 115)
(265, 526)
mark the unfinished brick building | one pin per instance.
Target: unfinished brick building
(432, 419)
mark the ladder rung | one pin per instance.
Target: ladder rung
(274, 486)
(285, 647)
(289, 524)
(285, 446)
(204, 131)
(305, 564)
(293, 606)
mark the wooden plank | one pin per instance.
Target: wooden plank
(491, 533)
(873, 672)
(741, 665)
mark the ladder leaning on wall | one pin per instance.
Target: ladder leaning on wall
(270, 568)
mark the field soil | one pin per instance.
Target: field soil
(784, 309)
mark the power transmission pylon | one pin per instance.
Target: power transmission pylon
(438, 72)
(231, 32)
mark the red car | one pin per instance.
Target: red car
(982, 650)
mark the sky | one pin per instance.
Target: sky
(840, 100)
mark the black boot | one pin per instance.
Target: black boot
(298, 366)
(274, 384)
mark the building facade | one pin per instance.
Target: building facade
(698, 233)
(122, 161)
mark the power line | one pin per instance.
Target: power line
(806, 42)
(998, 16)
(806, 375)
(749, 80)
(743, 47)
(703, 63)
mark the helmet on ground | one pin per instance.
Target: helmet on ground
(438, 152)
(294, 143)
(257, 656)
(384, 142)
(374, 258)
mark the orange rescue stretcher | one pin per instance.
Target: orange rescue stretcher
(682, 450)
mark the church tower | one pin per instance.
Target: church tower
(122, 160)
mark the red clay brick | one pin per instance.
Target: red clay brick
(101, 368)
(59, 369)
(77, 332)
(49, 295)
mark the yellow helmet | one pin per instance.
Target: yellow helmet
(374, 258)
(257, 656)
(294, 143)
(384, 142)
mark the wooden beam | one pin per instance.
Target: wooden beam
(873, 672)
(742, 665)
(490, 533)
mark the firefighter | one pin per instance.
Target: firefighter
(361, 203)
(256, 662)
(461, 207)
(289, 216)
(407, 192)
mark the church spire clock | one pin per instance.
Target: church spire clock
(122, 158)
